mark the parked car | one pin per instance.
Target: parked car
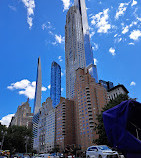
(101, 151)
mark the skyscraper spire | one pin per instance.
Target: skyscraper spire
(37, 101)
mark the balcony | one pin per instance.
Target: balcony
(90, 117)
(63, 128)
(91, 125)
(88, 100)
(63, 113)
(63, 133)
(91, 121)
(90, 110)
(90, 114)
(89, 103)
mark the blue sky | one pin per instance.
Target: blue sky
(29, 29)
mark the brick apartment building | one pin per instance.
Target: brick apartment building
(65, 128)
(89, 98)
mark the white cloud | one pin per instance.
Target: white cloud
(125, 30)
(115, 35)
(49, 86)
(60, 58)
(95, 61)
(95, 47)
(12, 8)
(19, 85)
(131, 43)
(133, 23)
(25, 87)
(66, 4)
(6, 119)
(30, 5)
(100, 20)
(121, 10)
(135, 34)
(119, 40)
(48, 26)
(44, 26)
(44, 89)
(59, 39)
(62, 74)
(132, 83)
(138, 18)
(112, 51)
(134, 3)
(92, 34)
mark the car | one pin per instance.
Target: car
(101, 151)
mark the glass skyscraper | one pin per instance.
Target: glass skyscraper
(55, 91)
(78, 50)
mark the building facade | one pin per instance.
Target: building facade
(23, 116)
(55, 91)
(90, 98)
(74, 48)
(106, 84)
(116, 91)
(78, 50)
(37, 100)
(37, 106)
(46, 127)
(65, 124)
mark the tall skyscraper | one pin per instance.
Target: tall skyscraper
(37, 101)
(37, 106)
(55, 92)
(78, 50)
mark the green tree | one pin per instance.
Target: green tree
(2, 128)
(16, 139)
(99, 126)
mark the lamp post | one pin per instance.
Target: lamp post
(3, 135)
(26, 141)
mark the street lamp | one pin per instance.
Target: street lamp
(3, 135)
(26, 141)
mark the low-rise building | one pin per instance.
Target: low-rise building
(115, 91)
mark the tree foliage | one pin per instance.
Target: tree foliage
(16, 138)
(99, 126)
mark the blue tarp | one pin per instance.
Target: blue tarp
(123, 126)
